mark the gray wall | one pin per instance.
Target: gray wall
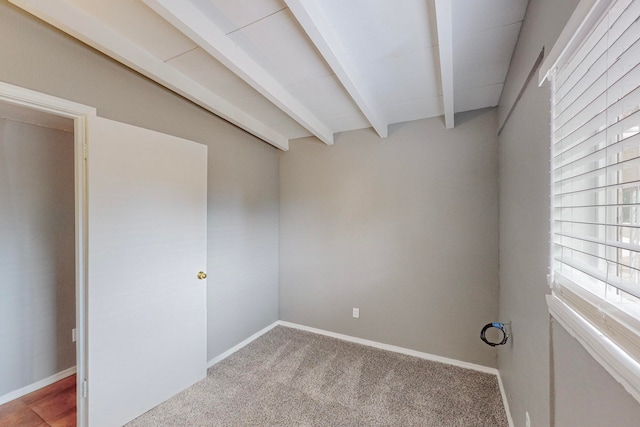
(404, 228)
(37, 268)
(525, 365)
(243, 171)
(585, 394)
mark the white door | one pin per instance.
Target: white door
(146, 312)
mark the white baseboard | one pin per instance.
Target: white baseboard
(388, 347)
(409, 352)
(237, 347)
(37, 385)
(505, 401)
(393, 348)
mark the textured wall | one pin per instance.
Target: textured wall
(37, 268)
(404, 228)
(585, 394)
(243, 171)
(524, 254)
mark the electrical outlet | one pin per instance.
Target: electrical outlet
(356, 312)
(527, 420)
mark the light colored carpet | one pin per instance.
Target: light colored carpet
(290, 377)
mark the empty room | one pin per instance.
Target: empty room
(320, 213)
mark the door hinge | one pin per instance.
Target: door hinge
(84, 151)
(85, 387)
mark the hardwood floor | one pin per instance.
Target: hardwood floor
(53, 406)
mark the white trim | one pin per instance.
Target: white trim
(238, 346)
(414, 353)
(190, 21)
(13, 395)
(319, 29)
(505, 401)
(393, 348)
(17, 95)
(444, 24)
(580, 23)
(374, 344)
(612, 358)
(74, 21)
(552, 140)
(368, 343)
(81, 255)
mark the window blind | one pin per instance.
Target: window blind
(596, 176)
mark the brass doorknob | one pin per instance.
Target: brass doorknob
(202, 275)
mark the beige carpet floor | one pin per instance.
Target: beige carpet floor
(290, 377)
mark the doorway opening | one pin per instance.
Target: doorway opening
(42, 255)
(147, 221)
(37, 259)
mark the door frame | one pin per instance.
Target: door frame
(24, 97)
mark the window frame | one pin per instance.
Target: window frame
(611, 335)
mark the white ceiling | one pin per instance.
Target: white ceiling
(285, 69)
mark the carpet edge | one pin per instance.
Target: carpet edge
(219, 358)
(393, 348)
(374, 344)
(505, 401)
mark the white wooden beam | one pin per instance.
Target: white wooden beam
(190, 20)
(309, 14)
(445, 47)
(68, 18)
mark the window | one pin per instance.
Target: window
(595, 173)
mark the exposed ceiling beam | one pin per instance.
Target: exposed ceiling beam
(445, 47)
(309, 14)
(70, 19)
(190, 20)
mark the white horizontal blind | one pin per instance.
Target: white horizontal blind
(596, 174)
